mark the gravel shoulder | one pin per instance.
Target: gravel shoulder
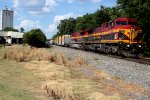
(131, 72)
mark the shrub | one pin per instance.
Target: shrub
(26, 53)
(59, 90)
(35, 38)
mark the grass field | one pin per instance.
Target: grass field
(36, 74)
(14, 81)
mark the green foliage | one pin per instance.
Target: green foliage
(101, 16)
(115, 12)
(10, 29)
(138, 9)
(66, 26)
(35, 38)
(21, 29)
(87, 21)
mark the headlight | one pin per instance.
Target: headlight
(139, 46)
(128, 45)
(140, 31)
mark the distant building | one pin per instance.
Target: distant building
(6, 19)
(11, 37)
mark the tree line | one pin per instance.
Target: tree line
(138, 9)
(87, 21)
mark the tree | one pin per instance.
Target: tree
(80, 24)
(87, 21)
(10, 29)
(21, 29)
(101, 16)
(35, 38)
(66, 26)
(114, 12)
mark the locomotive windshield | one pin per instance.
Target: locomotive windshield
(121, 23)
(132, 23)
(126, 23)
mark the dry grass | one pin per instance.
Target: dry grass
(63, 84)
(26, 53)
(60, 89)
(56, 79)
(2, 53)
(100, 96)
(76, 62)
(57, 73)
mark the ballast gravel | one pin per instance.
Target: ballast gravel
(131, 72)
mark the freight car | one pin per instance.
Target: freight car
(120, 36)
(63, 40)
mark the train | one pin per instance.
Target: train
(64, 40)
(122, 36)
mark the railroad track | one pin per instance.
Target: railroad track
(133, 59)
(139, 60)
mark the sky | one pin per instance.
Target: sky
(46, 14)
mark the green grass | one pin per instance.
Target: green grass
(14, 80)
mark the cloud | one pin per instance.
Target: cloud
(93, 1)
(43, 6)
(18, 16)
(36, 6)
(29, 24)
(50, 4)
(66, 16)
(52, 28)
(70, 1)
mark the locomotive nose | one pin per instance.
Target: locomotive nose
(133, 28)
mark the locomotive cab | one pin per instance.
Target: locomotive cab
(128, 28)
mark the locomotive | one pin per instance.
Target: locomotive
(120, 36)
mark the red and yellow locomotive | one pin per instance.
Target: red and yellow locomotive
(121, 36)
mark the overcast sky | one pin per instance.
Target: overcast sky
(46, 14)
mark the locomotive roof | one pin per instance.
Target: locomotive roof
(125, 19)
(107, 24)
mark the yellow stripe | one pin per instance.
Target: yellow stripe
(113, 41)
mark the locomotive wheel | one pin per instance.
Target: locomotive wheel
(106, 50)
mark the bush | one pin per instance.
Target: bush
(35, 38)
(26, 53)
